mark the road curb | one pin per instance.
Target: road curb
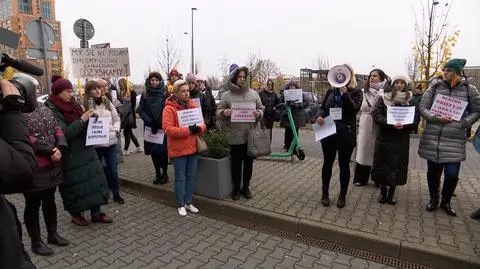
(228, 211)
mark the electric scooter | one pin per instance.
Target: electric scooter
(295, 148)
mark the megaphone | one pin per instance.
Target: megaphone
(339, 76)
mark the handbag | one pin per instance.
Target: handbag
(258, 141)
(201, 144)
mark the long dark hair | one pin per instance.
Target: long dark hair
(273, 84)
(380, 72)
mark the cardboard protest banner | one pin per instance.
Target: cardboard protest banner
(98, 63)
(243, 112)
(189, 117)
(447, 106)
(295, 95)
(400, 115)
(98, 131)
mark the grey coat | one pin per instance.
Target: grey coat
(237, 132)
(445, 142)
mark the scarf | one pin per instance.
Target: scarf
(400, 98)
(70, 110)
(377, 86)
(155, 99)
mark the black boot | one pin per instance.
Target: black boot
(447, 207)
(383, 195)
(55, 239)
(38, 247)
(391, 196)
(156, 180)
(341, 199)
(50, 215)
(164, 178)
(433, 204)
(476, 215)
(325, 198)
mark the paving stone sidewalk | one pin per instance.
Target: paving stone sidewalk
(146, 235)
(294, 189)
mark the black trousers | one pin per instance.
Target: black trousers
(160, 161)
(128, 134)
(362, 173)
(31, 215)
(330, 146)
(289, 137)
(239, 157)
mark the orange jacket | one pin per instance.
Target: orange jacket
(179, 140)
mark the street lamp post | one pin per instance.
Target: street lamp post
(192, 67)
(429, 40)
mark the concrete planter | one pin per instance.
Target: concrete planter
(214, 177)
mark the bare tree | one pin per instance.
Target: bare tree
(223, 66)
(433, 41)
(253, 66)
(266, 69)
(413, 68)
(169, 55)
(213, 82)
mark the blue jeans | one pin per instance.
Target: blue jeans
(111, 170)
(434, 173)
(185, 168)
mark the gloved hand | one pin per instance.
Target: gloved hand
(154, 127)
(194, 129)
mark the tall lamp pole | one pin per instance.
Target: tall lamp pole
(429, 39)
(192, 67)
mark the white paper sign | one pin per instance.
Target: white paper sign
(189, 117)
(336, 113)
(197, 102)
(153, 138)
(100, 63)
(400, 114)
(294, 95)
(243, 112)
(448, 107)
(98, 131)
(327, 129)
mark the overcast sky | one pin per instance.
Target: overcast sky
(293, 34)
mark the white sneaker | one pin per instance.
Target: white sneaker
(182, 211)
(192, 208)
(139, 150)
(125, 152)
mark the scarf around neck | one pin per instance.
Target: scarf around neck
(70, 110)
(400, 98)
(155, 99)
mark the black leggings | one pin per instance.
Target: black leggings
(160, 161)
(330, 146)
(289, 136)
(238, 155)
(128, 134)
(31, 215)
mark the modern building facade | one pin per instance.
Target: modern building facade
(15, 15)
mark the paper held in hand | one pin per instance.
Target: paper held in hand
(243, 112)
(400, 115)
(294, 95)
(189, 117)
(98, 131)
(327, 129)
(447, 106)
(153, 138)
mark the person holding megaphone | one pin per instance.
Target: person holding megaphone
(342, 103)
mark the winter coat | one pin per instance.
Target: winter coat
(128, 114)
(196, 94)
(445, 142)
(298, 112)
(237, 132)
(84, 184)
(390, 162)
(367, 131)
(270, 100)
(114, 128)
(17, 166)
(45, 134)
(179, 139)
(152, 104)
(210, 108)
(350, 103)
(416, 99)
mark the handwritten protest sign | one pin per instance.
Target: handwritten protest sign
(189, 117)
(294, 95)
(448, 107)
(243, 112)
(327, 129)
(98, 131)
(98, 63)
(400, 115)
(153, 138)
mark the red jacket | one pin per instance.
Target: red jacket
(180, 142)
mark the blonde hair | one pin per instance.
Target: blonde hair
(123, 87)
(178, 83)
(353, 80)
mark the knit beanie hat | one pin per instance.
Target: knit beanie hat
(233, 67)
(200, 77)
(400, 77)
(174, 72)
(191, 78)
(60, 84)
(456, 64)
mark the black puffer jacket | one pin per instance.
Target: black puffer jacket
(298, 110)
(16, 172)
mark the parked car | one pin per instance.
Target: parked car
(314, 106)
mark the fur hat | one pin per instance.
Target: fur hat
(400, 77)
(60, 84)
(191, 78)
(154, 75)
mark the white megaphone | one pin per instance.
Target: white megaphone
(339, 76)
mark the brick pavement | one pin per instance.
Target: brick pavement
(146, 234)
(293, 189)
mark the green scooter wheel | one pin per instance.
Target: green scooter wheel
(300, 154)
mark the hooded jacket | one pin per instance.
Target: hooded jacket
(445, 142)
(237, 132)
(180, 142)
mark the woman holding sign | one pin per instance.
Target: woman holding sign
(390, 161)
(182, 143)
(84, 186)
(298, 114)
(237, 124)
(103, 108)
(443, 139)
